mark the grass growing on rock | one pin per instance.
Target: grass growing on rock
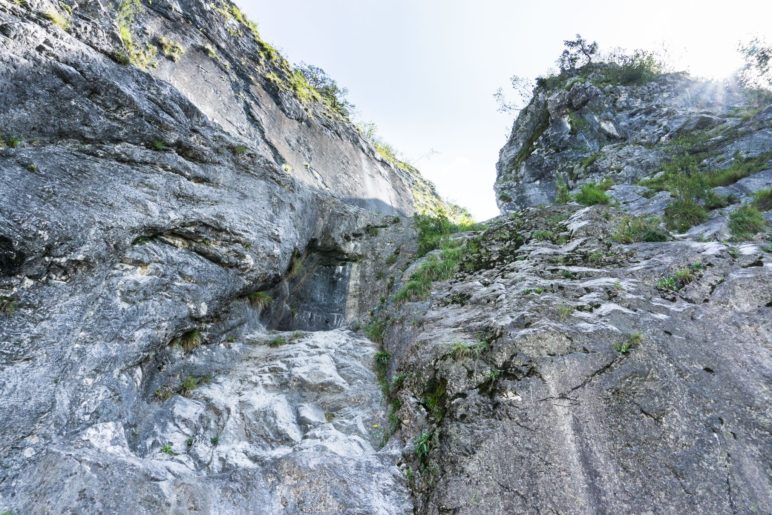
(593, 194)
(260, 299)
(680, 278)
(745, 222)
(632, 229)
(762, 200)
(170, 48)
(626, 346)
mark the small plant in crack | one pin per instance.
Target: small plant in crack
(189, 340)
(564, 312)
(461, 350)
(632, 341)
(158, 145)
(215, 440)
(167, 449)
(423, 445)
(680, 278)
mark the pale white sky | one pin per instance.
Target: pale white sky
(424, 71)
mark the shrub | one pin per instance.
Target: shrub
(592, 194)
(763, 199)
(332, 95)
(633, 229)
(167, 449)
(745, 222)
(158, 145)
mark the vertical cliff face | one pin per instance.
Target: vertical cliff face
(604, 345)
(173, 192)
(583, 130)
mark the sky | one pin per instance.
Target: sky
(424, 71)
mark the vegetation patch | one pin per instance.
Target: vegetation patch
(375, 329)
(739, 169)
(762, 200)
(8, 306)
(462, 350)
(680, 278)
(277, 341)
(57, 19)
(746, 221)
(633, 229)
(189, 340)
(259, 299)
(170, 48)
(592, 194)
(141, 57)
(626, 346)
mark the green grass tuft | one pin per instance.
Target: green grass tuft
(745, 222)
(762, 200)
(171, 49)
(260, 299)
(592, 194)
(633, 229)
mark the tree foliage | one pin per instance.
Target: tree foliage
(333, 95)
(756, 71)
(577, 53)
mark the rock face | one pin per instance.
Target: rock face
(557, 377)
(142, 209)
(190, 235)
(581, 132)
(569, 368)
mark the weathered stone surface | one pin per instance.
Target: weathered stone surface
(292, 428)
(591, 390)
(579, 133)
(140, 209)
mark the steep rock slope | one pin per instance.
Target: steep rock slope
(162, 169)
(582, 359)
(580, 132)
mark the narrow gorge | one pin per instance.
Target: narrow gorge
(218, 296)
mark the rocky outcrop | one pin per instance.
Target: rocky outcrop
(191, 237)
(569, 366)
(585, 131)
(556, 373)
(169, 193)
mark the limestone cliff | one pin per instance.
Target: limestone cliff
(578, 354)
(214, 297)
(166, 175)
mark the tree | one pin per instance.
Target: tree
(577, 53)
(334, 95)
(757, 71)
(523, 89)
